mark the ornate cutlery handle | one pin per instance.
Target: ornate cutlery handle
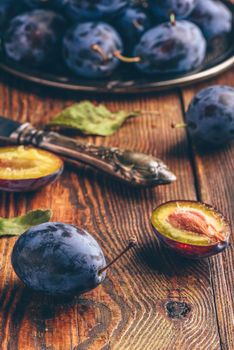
(130, 167)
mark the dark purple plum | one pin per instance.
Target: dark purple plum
(132, 24)
(169, 48)
(27, 169)
(8, 9)
(192, 229)
(213, 17)
(58, 259)
(210, 116)
(34, 38)
(36, 4)
(90, 9)
(164, 8)
(89, 49)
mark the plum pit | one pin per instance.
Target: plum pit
(191, 228)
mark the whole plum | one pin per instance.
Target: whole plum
(210, 116)
(8, 9)
(34, 38)
(36, 4)
(169, 48)
(90, 9)
(132, 24)
(164, 8)
(58, 259)
(213, 17)
(89, 49)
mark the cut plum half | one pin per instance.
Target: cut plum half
(191, 228)
(25, 169)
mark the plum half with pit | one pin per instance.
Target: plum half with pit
(210, 116)
(58, 259)
(25, 169)
(193, 229)
(171, 48)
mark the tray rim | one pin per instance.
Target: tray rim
(128, 89)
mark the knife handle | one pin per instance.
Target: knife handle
(130, 167)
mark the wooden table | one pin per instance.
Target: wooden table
(151, 299)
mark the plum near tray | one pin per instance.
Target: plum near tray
(126, 79)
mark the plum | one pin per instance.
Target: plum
(8, 9)
(91, 10)
(27, 169)
(193, 229)
(36, 4)
(213, 17)
(169, 48)
(132, 24)
(34, 38)
(210, 116)
(164, 8)
(58, 259)
(89, 49)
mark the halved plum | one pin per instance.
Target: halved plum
(193, 229)
(25, 169)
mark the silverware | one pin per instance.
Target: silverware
(133, 168)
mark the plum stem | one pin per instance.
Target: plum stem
(131, 244)
(172, 19)
(126, 59)
(137, 24)
(179, 125)
(101, 52)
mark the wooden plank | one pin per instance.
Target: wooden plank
(215, 173)
(151, 299)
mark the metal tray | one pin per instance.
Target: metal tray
(220, 57)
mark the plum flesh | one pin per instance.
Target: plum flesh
(58, 259)
(27, 169)
(193, 229)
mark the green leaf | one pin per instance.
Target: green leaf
(18, 225)
(90, 119)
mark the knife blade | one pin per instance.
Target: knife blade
(133, 168)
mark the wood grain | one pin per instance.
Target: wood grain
(215, 173)
(152, 299)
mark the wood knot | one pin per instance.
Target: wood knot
(177, 309)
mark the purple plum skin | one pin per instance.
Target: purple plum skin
(132, 24)
(36, 4)
(189, 250)
(8, 9)
(213, 17)
(90, 10)
(171, 48)
(58, 259)
(29, 185)
(34, 38)
(210, 115)
(82, 59)
(180, 8)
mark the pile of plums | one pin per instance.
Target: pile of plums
(92, 38)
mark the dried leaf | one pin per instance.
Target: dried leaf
(89, 119)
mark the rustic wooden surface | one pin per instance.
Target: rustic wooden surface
(150, 300)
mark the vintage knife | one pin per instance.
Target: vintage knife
(130, 167)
